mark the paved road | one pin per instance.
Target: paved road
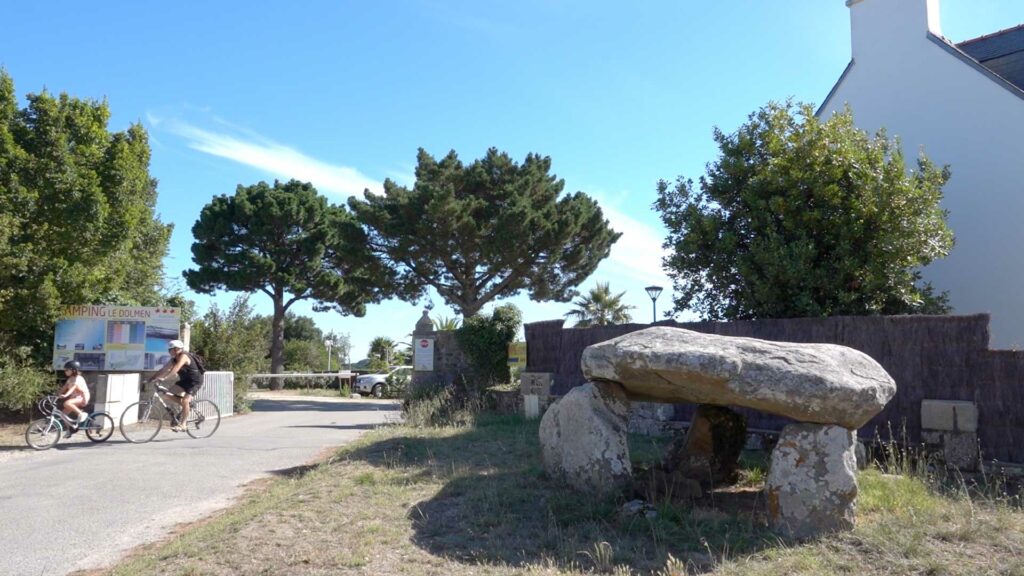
(82, 505)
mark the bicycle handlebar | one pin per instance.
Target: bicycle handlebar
(47, 404)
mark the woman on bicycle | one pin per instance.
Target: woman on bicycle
(74, 393)
(189, 379)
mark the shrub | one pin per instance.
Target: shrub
(396, 384)
(485, 342)
(242, 403)
(21, 383)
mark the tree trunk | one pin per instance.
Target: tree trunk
(471, 308)
(277, 340)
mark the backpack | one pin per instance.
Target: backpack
(198, 362)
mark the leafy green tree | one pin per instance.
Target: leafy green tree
(186, 306)
(485, 231)
(302, 328)
(304, 356)
(77, 220)
(600, 308)
(802, 217)
(233, 340)
(286, 241)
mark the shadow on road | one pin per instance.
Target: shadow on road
(14, 448)
(338, 426)
(314, 405)
(294, 471)
(65, 444)
(76, 445)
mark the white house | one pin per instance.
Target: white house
(964, 105)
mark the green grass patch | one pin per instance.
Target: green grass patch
(474, 499)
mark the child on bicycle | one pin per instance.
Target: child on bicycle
(74, 393)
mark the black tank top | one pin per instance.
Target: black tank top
(189, 373)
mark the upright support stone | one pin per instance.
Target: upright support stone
(812, 484)
(710, 451)
(583, 438)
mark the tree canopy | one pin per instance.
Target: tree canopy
(286, 241)
(599, 308)
(805, 217)
(77, 214)
(485, 231)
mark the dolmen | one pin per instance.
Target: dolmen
(829, 390)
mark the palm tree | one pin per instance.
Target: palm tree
(383, 348)
(600, 308)
(444, 323)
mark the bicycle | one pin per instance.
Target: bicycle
(142, 421)
(46, 432)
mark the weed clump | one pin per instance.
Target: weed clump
(439, 406)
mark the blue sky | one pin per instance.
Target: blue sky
(619, 94)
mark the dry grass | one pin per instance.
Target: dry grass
(12, 433)
(475, 500)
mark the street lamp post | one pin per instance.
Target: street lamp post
(328, 344)
(654, 292)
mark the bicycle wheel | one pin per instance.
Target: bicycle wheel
(203, 419)
(99, 427)
(141, 422)
(43, 433)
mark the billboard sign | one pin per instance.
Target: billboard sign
(517, 355)
(115, 338)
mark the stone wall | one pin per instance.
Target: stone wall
(449, 360)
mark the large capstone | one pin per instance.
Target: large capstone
(821, 383)
(812, 486)
(583, 438)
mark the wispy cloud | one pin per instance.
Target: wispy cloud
(461, 18)
(638, 252)
(279, 160)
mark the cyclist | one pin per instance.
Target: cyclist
(75, 394)
(188, 379)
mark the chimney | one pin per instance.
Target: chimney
(886, 28)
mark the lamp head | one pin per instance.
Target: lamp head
(653, 291)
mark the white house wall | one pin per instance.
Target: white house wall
(906, 81)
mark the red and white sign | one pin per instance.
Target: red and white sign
(423, 355)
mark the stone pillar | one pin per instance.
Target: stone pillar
(812, 484)
(710, 451)
(583, 438)
(424, 329)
